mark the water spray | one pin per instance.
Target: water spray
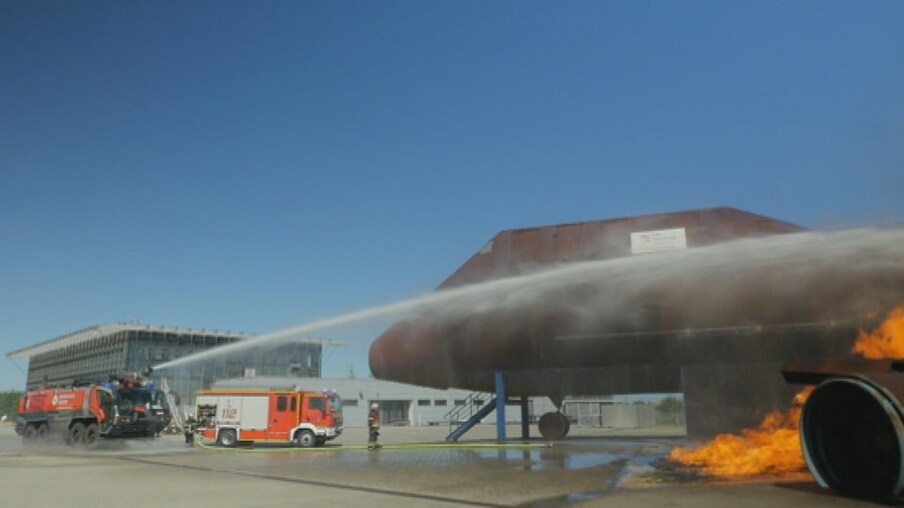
(614, 284)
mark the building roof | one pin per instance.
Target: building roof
(101, 331)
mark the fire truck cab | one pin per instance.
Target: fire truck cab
(291, 416)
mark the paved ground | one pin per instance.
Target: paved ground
(415, 468)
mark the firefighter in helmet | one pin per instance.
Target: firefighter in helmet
(189, 430)
(373, 426)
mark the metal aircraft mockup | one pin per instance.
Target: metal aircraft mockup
(711, 303)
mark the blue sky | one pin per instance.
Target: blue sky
(252, 166)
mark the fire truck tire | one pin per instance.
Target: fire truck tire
(31, 434)
(76, 433)
(305, 439)
(92, 433)
(42, 433)
(226, 438)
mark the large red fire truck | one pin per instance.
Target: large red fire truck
(123, 407)
(291, 416)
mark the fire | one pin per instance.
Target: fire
(887, 341)
(772, 447)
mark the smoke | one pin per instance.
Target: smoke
(802, 274)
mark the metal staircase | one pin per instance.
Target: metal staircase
(472, 421)
(176, 412)
(465, 410)
(468, 414)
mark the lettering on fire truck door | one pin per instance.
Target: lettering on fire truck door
(283, 411)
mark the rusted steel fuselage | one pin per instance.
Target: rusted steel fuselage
(577, 313)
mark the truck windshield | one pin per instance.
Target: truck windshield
(128, 398)
(158, 399)
(335, 404)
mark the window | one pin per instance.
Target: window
(459, 402)
(349, 402)
(316, 403)
(439, 402)
(423, 402)
(294, 404)
(281, 403)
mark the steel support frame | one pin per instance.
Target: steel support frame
(500, 405)
(500, 410)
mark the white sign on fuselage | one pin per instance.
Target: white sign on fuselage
(643, 242)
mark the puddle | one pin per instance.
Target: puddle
(545, 459)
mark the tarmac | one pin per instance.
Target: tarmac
(415, 467)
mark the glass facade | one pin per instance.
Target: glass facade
(115, 350)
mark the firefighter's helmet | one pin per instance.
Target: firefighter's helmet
(374, 406)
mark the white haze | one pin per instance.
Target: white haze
(792, 262)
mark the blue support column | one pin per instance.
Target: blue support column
(500, 406)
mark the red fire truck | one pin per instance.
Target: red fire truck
(124, 407)
(291, 416)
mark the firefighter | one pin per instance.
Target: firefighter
(190, 431)
(373, 426)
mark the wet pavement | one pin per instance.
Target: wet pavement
(592, 467)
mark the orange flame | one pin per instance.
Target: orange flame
(772, 447)
(887, 341)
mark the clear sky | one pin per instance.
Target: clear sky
(252, 166)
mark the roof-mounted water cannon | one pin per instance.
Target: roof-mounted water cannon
(131, 379)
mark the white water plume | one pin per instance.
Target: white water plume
(790, 265)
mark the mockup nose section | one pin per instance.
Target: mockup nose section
(408, 353)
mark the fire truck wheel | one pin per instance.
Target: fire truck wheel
(226, 438)
(92, 433)
(31, 433)
(76, 433)
(305, 439)
(42, 432)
